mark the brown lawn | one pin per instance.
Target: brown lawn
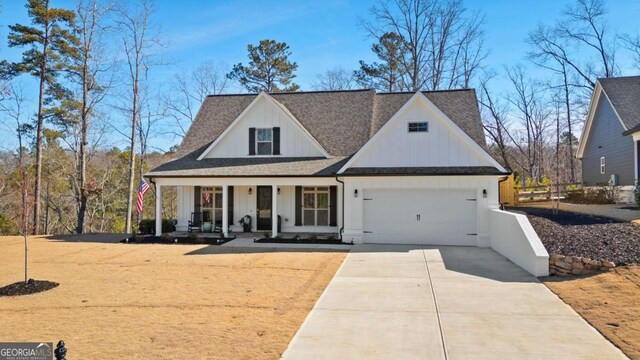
(162, 301)
(609, 301)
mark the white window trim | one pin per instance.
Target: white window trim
(417, 124)
(315, 209)
(602, 166)
(258, 142)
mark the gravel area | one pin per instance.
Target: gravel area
(595, 237)
(26, 288)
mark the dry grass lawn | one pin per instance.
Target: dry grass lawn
(609, 301)
(121, 301)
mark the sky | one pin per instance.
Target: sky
(321, 35)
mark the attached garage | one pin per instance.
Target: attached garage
(420, 216)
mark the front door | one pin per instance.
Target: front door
(263, 207)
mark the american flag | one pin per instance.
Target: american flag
(144, 187)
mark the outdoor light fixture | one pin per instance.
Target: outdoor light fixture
(249, 191)
(355, 193)
(484, 193)
(278, 191)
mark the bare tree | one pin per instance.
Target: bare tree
(187, 92)
(335, 78)
(12, 106)
(529, 108)
(87, 71)
(494, 120)
(632, 43)
(444, 43)
(138, 45)
(549, 54)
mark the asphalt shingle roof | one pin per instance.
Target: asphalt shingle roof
(624, 94)
(341, 121)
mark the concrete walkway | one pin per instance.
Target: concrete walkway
(412, 302)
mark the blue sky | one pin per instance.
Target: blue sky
(321, 34)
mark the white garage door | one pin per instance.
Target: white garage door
(432, 217)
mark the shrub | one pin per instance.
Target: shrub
(267, 234)
(637, 197)
(148, 226)
(594, 195)
(313, 237)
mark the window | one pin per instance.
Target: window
(418, 127)
(264, 141)
(602, 167)
(315, 206)
(211, 204)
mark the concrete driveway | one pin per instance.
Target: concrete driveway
(412, 302)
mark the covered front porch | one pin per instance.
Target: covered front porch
(273, 205)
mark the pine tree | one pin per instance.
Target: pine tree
(50, 44)
(386, 75)
(269, 68)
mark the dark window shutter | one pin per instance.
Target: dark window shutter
(230, 204)
(333, 202)
(298, 206)
(252, 141)
(197, 199)
(276, 141)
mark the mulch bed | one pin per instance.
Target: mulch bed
(176, 240)
(300, 241)
(583, 235)
(30, 287)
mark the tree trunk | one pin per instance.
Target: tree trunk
(132, 161)
(40, 128)
(82, 157)
(568, 107)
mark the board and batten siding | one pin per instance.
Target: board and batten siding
(440, 146)
(354, 212)
(294, 141)
(245, 204)
(606, 139)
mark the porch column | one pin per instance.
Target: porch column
(225, 210)
(158, 210)
(274, 211)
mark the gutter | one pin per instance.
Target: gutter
(342, 223)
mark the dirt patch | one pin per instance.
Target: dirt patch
(583, 235)
(27, 288)
(609, 301)
(162, 302)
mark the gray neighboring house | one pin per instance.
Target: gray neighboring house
(609, 146)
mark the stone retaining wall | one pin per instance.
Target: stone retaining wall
(575, 265)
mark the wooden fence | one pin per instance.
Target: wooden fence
(512, 195)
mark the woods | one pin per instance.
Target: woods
(88, 74)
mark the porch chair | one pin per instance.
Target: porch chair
(196, 222)
(217, 227)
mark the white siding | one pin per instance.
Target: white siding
(294, 141)
(441, 146)
(354, 205)
(245, 204)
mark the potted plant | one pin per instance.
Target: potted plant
(245, 221)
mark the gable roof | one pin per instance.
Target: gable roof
(624, 95)
(341, 121)
(420, 97)
(280, 107)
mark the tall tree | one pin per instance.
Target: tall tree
(51, 43)
(138, 45)
(336, 78)
(86, 72)
(444, 43)
(269, 68)
(494, 120)
(187, 92)
(387, 74)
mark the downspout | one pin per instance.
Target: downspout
(342, 227)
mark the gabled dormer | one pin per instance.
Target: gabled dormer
(265, 128)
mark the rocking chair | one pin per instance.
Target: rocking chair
(196, 222)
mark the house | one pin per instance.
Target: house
(608, 145)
